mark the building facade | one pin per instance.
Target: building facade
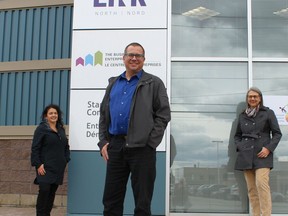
(217, 50)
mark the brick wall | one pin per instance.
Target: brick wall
(17, 176)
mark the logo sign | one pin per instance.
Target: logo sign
(279, 104)
(111, 14)
(95, 58)
(121, 3)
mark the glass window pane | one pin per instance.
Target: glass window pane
(208, 86)
(203, 178)
(272, 79)
(224, 34)
(279, 175)
(270, 28)
(206, 100)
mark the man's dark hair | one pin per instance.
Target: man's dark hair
(134, 44)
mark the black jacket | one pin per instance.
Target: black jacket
(254, 133)
(52, 150)
(149, 115)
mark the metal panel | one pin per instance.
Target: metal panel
(86, 187)
(36, 33)
(23, 95)
(3, 97)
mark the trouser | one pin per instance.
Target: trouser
(45, 199)
(259, 191)
(140, 162)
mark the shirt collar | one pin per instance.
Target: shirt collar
(139, 74)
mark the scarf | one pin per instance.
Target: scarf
(252, 112)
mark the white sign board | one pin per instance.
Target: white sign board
(98, 55)
(101, 31)
(84, 120)
(115, 14)
(279, 104)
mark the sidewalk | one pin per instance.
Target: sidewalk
(28, 211)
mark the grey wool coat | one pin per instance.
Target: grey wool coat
(252, 134)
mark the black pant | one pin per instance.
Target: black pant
(141, 163)
(45, 199)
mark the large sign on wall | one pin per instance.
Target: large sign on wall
(101, 31)
(97, 56)
(85, 125)
(119, 14)
(84, 129)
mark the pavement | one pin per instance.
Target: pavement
(28, 211)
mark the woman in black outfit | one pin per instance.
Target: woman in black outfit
(50, 154)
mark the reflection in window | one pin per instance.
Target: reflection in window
(206, 99)
(202, 176)
(224, 34)
(272, 79)
(208, 87)
(269, 28)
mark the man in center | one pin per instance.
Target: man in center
(134, 114)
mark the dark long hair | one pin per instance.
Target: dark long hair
(57, 108)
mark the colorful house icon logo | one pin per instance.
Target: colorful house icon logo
(89, 59)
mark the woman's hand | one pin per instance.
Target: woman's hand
(41, 170)
(263, 153)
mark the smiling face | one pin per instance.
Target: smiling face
(133, 59)
(52, 116)
(253, 99)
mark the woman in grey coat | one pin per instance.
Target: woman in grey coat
(257, 136)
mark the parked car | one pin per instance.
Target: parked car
(199, 191)
(222, 193)
(207, 191)
(234, 192)
(278, 197)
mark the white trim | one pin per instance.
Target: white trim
(168, 132)
(250, 45)
(209, 59)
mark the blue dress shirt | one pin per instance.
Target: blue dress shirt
(120, 102)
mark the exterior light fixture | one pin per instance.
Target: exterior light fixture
(282, 13)
(201, 13)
